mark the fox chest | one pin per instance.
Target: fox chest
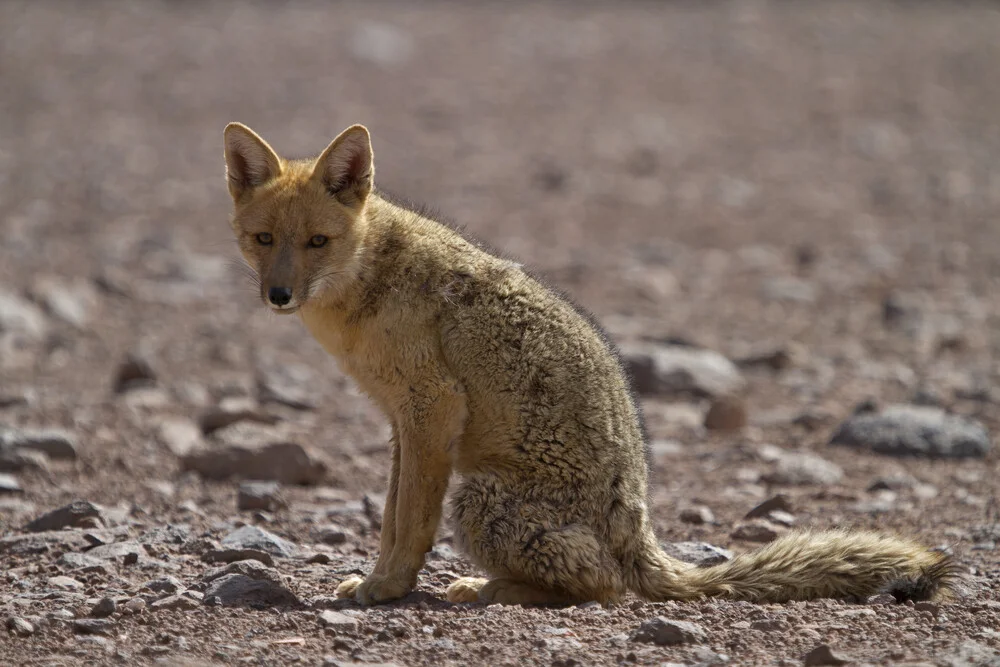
(383, 367)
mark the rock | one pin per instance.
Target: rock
(775, 358)
(239, 589)
(19, 627)
(727, 413)
(285, 462)
(129, 552)
(181, 436)
(909, 430)
(27, 544)
(258, 495)
(249, 568)
(254, 537)
(9, 484)
(697, 515)
(665, 632)
(18, 315)
(168, 585)
(701, 554)
(236, 555)
(136, 605)
(16, 460)
(823, 655)
(288, 385)
(93, 626)
(800, 468)
(788, 288)
(779, 502)
(71, 302)
(338, 621)
(333, 535)
(51, 442)
(133, 372)
(104, 608)
(755, 530)
(896, 481)
(78, 514)
(178, 602)
(232, 410)
(667, 370)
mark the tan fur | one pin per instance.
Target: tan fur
(487, 376)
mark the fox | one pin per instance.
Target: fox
(496, 383)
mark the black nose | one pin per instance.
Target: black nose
(279, 296)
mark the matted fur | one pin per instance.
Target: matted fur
(496, 383)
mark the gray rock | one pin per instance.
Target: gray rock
(288, 385)
(93, 626)
(28, 544)
(248, 568)
(19, 627)
(129, 552)
(78, 514)
(236, 555)
(665, 632)
(239, 589)
(65, 583)
(136, 605)
(670, 370)
(285, 462)
(104, 608)
(697, 515)
(910, 430)
(787, 288)
(181, 436)
(178, 602)
(800, 468)
(16, 460)
(231, 411)
(9, 484)
(260, 495)
(756, 530)
(54, 443)
(168, 585)
(701, 554)
(71, 302)
(254, 537)
(338, 621)
(19, 315)
(778, 502)
(134, 372)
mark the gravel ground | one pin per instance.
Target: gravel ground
(808, 191)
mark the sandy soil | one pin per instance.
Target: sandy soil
(817, 180)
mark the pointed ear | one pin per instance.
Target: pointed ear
(250, 162)
(346, 168)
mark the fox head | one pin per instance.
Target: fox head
(300, 224)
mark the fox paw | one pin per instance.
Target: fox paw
(465, 589)
(347, 587)
(377, 588)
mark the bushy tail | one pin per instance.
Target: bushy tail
(802, 565)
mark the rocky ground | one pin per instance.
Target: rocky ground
(785, 214)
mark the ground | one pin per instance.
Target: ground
(818, 182)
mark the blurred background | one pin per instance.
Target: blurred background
(740, 175)
(809, 189)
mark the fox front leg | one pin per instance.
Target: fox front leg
(434, 420)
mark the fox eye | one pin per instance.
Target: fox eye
(317, 241)
(264, 238)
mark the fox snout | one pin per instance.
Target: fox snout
(279, 296)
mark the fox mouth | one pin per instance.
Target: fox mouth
(290, 309)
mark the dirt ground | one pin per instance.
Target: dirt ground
(817, 182)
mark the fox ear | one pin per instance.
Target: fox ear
(346, 168)
(250, 162)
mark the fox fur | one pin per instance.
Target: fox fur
(489, 378)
